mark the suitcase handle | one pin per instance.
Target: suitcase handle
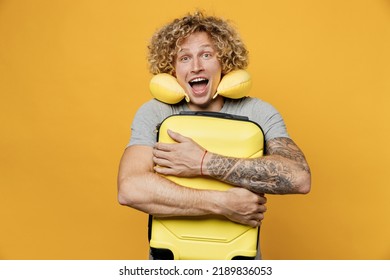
(214, 114)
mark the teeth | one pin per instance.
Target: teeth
(198, 80)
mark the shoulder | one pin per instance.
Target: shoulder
(153, 106)
(158, 109)
(250, 106)
(259, 104)
(147, 118)
(145, 121)
(261, 112)
(149, 115)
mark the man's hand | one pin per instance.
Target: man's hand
(182, 159)
(243, 206)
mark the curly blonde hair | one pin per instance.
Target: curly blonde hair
(165, 43)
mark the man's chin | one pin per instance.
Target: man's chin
(201, 102)
(198, 105)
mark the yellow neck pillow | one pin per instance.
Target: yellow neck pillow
(164, 87)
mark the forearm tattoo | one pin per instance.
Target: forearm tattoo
(286, 148)
(269, 174)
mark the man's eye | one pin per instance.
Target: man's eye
(184, 58)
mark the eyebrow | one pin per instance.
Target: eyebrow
(205, 46)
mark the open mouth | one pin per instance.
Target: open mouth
(199, 84)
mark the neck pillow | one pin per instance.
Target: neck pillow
(164, 87)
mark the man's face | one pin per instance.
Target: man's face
(198, 71)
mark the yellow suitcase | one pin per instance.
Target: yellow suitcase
(210, 237)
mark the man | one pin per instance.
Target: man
(199, 50)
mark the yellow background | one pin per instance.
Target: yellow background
(73, 73)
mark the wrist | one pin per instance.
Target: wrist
(213, 201)
(204, 163)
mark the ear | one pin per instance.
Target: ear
(165, 87)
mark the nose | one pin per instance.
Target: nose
(197, 65)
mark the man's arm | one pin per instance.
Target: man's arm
(283, 170)
(141, 188)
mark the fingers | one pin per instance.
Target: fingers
(256, 220)
(160, 154)
(168, 147)
(164, 147)
(252, 218)
(177, 137)
(162, 162)
(163, 170)
(262, 199)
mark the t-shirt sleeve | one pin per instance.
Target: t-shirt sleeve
(146, 119)
(270, 120)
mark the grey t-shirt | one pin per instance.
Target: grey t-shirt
(153, 112)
